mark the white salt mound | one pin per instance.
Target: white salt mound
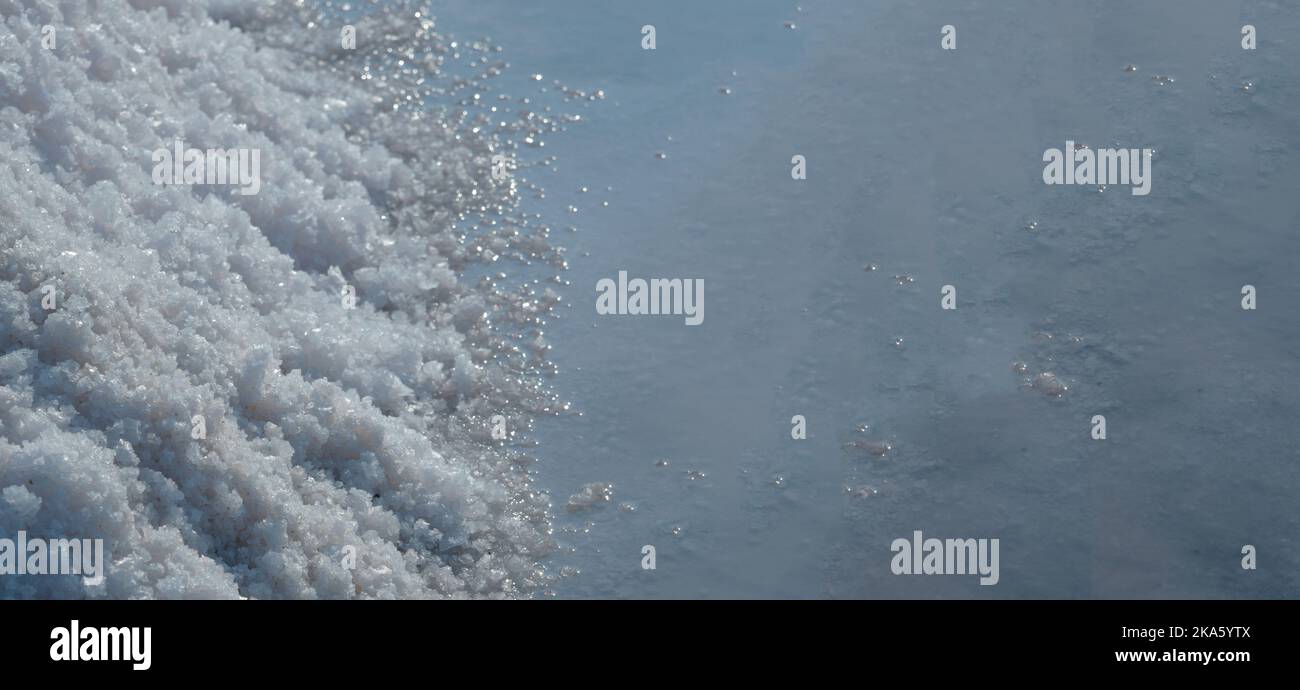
(329, 431)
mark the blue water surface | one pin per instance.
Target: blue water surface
(926, 164)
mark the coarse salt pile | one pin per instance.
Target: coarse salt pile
(342, 452)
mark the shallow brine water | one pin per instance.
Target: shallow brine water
(924, 169)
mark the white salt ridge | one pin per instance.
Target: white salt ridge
(327, 428)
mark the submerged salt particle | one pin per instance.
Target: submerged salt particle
(1048, 384)
(590, 496)
(870, 447)
(861, 491)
